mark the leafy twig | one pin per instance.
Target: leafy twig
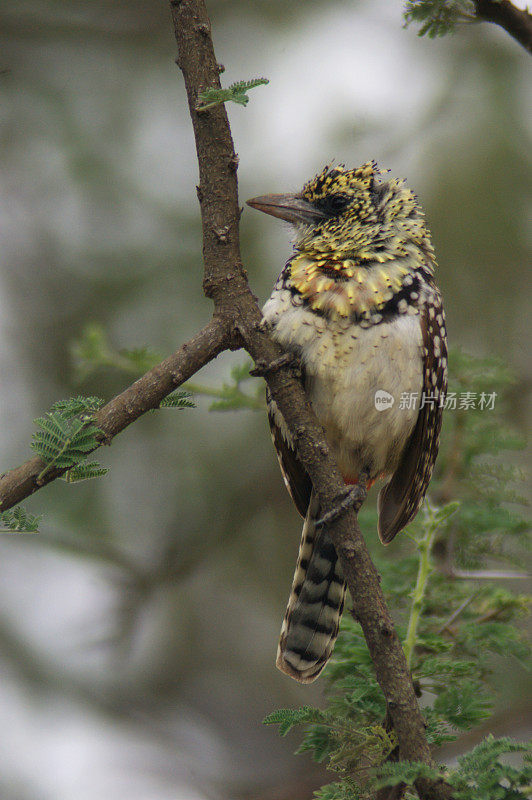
(434, 519)
(439, 17)
(139, 398)
(17, 520)
(236, 93)
(179, 399)
(84, 472)
(93, 350)
(63, 441)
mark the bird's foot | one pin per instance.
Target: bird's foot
(263, 368)
(351, 497)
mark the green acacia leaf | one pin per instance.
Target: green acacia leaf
(178, 399)
(17, 520)
(237, 93)
(286, 718)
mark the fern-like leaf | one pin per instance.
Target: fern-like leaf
(342, 790)
(286, 718)
(464, 705)
(84, 472)
(77, 406)
(392, 773)
(481, 774)
(438, 17)
(178, 399)
(17, 520)
(62, 440)
(236, 93)
(319, 741)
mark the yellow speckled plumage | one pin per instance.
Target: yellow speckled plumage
(358, 306)
(357, 294)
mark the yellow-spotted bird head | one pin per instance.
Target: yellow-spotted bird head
(350, 214)
(358, 237)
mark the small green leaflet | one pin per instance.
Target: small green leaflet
(84, 472)
(237, 93)
(17, 520)
(178, 399)
(66, 434)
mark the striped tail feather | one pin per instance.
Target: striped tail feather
(311, 621)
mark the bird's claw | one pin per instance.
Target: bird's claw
(352, 497)
(263, 368)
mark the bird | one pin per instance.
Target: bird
(357, 306)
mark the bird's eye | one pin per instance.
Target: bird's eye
(338, 202)
(334, 204)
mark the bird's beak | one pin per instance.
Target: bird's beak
(289, 207)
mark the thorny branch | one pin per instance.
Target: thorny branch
(142, 396)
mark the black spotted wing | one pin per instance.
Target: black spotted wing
(400, 500)
(295, 476)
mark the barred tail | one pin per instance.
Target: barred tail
(311, 621)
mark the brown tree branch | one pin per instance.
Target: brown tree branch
(515, 21)
(226, 283)
(142, 396)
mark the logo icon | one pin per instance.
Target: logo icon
(383, 400)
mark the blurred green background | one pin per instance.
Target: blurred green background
(138, 631)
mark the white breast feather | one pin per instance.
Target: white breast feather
(345, 365)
